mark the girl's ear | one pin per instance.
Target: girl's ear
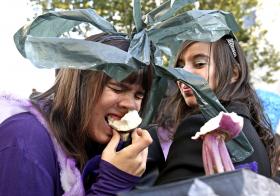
(235, 75)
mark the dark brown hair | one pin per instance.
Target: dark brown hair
(68, 104)
(226, 91)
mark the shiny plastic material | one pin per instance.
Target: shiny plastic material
(240, 182)
(41, 43)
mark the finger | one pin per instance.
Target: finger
(136, 134)
(113, 143)
(144, 135)
(141, 139)
(143, 163)
(145, 156)
(140, 133)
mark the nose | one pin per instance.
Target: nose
(189, 68)
(129, 102)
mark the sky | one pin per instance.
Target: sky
(269, 15)
(18, 75)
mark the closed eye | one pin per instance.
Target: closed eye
(115, 88)
(139, 96)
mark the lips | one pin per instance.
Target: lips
(186, 90)
(112, 116)
(107, 126)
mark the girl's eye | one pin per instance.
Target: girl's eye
(200, 64)
(139, 96)
(116, 89)
(201, 61)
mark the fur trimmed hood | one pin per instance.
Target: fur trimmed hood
(70, 176)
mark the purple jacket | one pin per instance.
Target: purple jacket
(33, 163)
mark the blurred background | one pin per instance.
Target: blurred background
(259, 35)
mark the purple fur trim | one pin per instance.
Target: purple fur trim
(70, 176)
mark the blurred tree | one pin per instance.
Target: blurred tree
(259, 52)
(119, 12)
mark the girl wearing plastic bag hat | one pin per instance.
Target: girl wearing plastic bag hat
(60, 142)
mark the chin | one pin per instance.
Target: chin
(191, 101)
(101, 139)
(104, 140)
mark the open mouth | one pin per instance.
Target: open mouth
(128, 122)
(111, 116)
(106, 119)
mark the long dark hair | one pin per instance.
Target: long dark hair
(68, 104)
(240, 90)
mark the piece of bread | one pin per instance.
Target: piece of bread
(128, 122)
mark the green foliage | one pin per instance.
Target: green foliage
(119, 12)
(259, 52)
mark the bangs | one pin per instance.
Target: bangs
(142, 77)
(183, 47)
(135, 78)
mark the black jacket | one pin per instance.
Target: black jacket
(184, 160)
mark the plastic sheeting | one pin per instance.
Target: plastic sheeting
(41, 43)
(240, 182)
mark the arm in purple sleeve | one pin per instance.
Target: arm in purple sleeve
(27, 165)
(21, 176)
(109, 180)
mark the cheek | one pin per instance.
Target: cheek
(212, 80)
(107, 98)
(212, 85)
(138, 105)
(204, 73)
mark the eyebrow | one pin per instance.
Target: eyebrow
(201, 56)
(123, 85)
(196, 56)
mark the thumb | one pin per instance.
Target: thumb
(113, 143)
(140, 140)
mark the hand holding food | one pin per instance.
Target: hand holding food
(131, 159)
(214, 133)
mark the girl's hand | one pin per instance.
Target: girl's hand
(131, 159)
